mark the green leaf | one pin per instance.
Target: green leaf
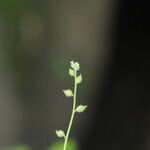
(68, 93)
(72, 145)
(79, 79)
(60, 133)
(71, 72)
(81, 108)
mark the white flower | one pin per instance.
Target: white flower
(75, 65)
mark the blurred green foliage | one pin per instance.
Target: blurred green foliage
(59, 145)
(19, 147)
(11, 12)
(72, 145)
(12, 7)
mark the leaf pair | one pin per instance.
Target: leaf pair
(68, 92)
(72, 74)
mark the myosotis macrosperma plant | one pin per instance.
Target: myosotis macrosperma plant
(73, 72)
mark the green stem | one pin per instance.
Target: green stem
(72, 114)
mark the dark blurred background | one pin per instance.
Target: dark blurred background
(111, 41)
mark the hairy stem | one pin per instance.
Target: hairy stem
(72, 114)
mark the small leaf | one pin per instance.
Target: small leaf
(68, 93)
(81, 108)
(71, 72)
(79, 79)
(60, 133)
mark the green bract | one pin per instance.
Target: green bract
(80, 108)
(68, 93)
(79, 79)
(73, 72)
(60, 133)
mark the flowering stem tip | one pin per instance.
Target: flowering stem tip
(73, 72)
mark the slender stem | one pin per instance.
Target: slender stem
(72, 114)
